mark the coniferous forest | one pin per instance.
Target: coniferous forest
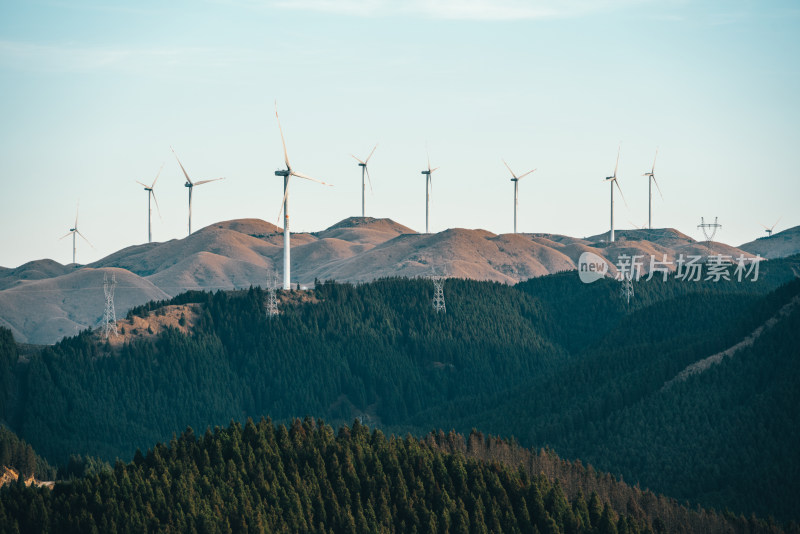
(549, 363)
(264, 478)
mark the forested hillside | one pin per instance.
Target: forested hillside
(263, 477)
(552, 362)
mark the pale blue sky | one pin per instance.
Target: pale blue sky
(94, 94)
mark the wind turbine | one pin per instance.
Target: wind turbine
(74, 231)
(613, 180)
(769, 230)
(651, 178)
(428, 172)
(363, 165)
(287, 173)
(191, 185)
(516, 179)
(151, 193)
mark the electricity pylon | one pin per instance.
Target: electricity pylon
(109, 315)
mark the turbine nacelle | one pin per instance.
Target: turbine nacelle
(283, 173)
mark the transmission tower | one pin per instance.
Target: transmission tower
(626, 290)
(709, 230)
(272, 296)
(438, 294)
(109, 315)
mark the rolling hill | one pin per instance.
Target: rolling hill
(779, 245)
(240, 253)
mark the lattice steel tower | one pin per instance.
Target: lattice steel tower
(709, 230)
(626, 291)
(109, 315)
(272, 296)
(438, 294)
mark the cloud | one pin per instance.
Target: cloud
(457, 9)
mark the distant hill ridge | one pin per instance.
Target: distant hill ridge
(43, 301)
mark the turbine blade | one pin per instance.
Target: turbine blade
(157, 175)
(524, 175)
(776, 223)
(84, 237)
(358, 160)
(283, 202)
(369, 180)
(620, 193)
(299, 175)
(434, 169)
(156, 201)
(285, 153)
(617, 165)
(143, 185)
(429, 158)
(70, 233)
(654, 163)
(659, 189)
(370, 154)
(509, 169)
(763, 225)
(201, 182)
(181, 164)
(77, 210)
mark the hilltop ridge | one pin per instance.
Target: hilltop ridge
(42, 301)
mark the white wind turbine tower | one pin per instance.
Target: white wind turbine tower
(287, 173)
(613, 180)
(516, 179)
(428, 172)
(191, 185)
(651, 178)
(151, 193)
(74, 231)
(363, 165)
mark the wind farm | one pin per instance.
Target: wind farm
(562, 364)
(355, 260)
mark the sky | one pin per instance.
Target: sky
(94, 94)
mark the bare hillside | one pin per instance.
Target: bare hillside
(43, 311)
(779, 245)
(43, 301)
